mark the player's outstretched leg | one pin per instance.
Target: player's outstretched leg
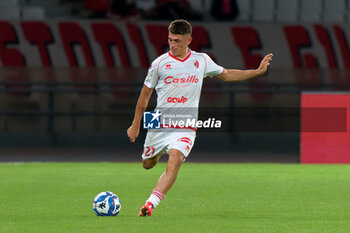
(165, 182)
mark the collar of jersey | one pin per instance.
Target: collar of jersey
(182, 60)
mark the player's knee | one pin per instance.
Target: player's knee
(176, 157)
(148, 164)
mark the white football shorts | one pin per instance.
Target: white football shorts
(159, 142)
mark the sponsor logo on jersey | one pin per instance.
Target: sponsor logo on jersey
(174, 100)
(188, 80)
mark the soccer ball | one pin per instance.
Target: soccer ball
(106, 204)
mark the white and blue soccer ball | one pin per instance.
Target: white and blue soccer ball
(106, 204)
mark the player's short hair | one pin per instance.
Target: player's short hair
(180, 27)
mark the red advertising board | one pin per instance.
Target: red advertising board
(325, 127)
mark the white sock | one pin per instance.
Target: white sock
(155, 197)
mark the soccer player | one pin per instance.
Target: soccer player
(177, 77)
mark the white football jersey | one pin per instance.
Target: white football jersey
(178, 83)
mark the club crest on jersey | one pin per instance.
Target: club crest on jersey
(196, 64)
(167, 66)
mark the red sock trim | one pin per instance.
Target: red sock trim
(159, 196)
(158, 193)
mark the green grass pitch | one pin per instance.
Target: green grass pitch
(57, 197)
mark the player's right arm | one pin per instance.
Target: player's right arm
(142, 103)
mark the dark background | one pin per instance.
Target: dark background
(66, 121)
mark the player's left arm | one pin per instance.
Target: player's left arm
(232, 75)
